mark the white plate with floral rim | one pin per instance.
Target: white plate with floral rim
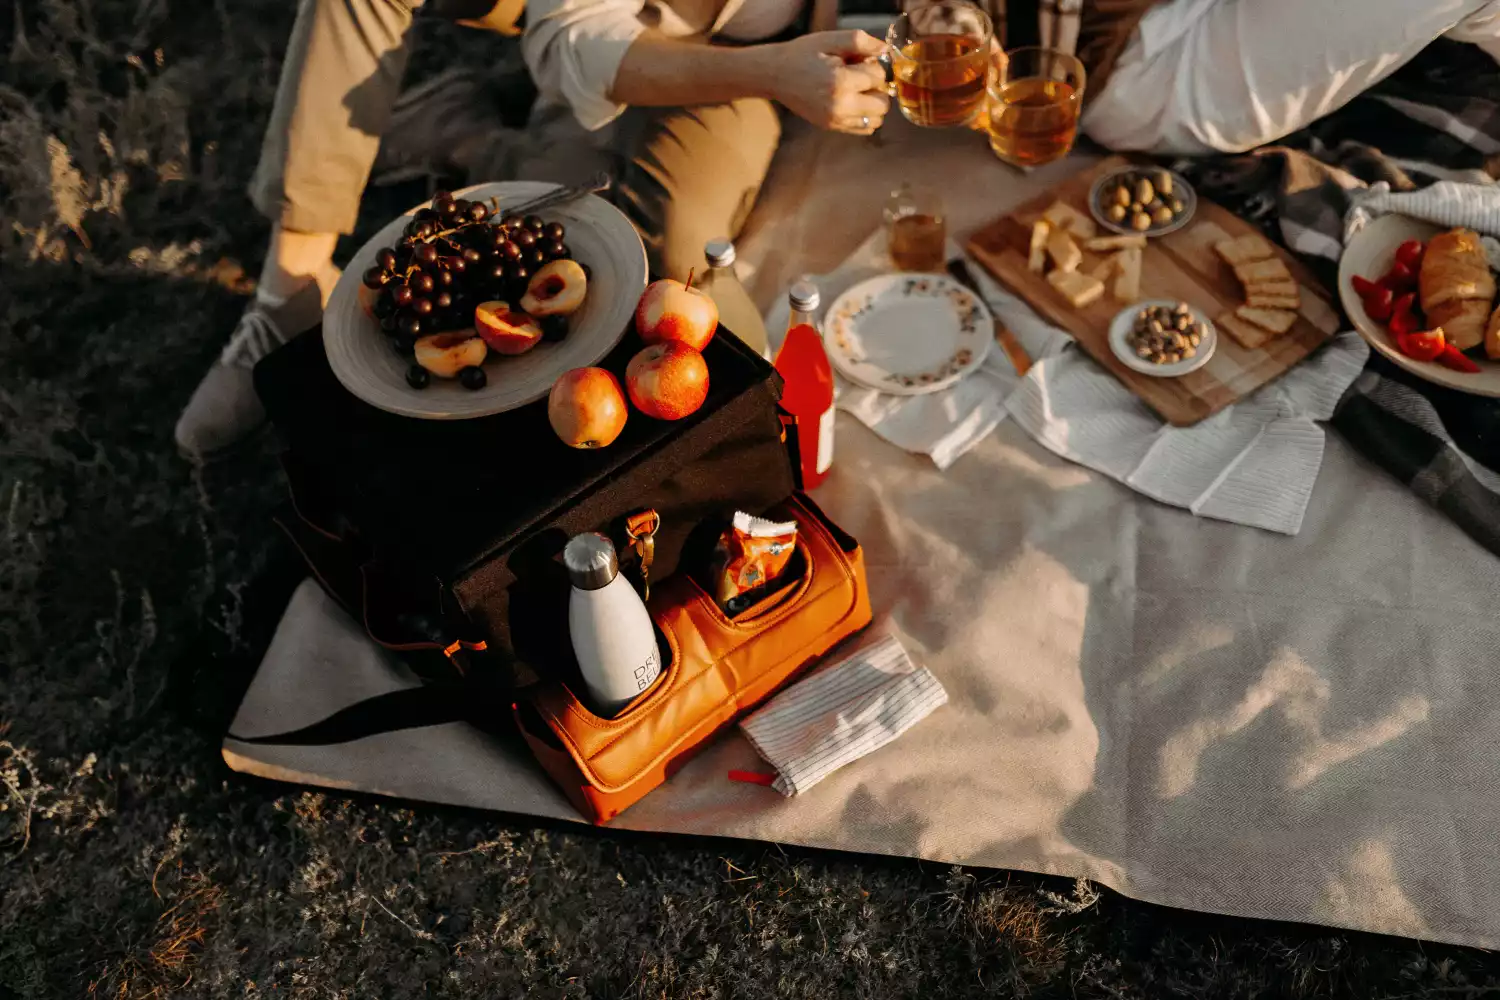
(907, 334)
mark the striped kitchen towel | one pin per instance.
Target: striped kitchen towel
(1446, 203)
(841, 713)
(1251, 463)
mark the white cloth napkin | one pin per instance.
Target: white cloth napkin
(942, 425)
(1251, 463)
(841, 713)
(1446, 203)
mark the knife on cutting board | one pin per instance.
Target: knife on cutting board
(1019, 359)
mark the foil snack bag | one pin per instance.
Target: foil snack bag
(752, 553)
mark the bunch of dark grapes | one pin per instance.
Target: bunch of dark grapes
(451, 257)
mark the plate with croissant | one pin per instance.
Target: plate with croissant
(1424, 296)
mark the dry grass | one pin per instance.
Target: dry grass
(135, 593)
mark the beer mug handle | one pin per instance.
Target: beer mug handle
(886, 64)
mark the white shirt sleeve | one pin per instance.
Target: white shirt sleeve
(573, 49)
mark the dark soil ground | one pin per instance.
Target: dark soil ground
(136, 592)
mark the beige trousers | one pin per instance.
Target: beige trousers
(689, 175)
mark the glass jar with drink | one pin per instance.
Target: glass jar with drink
(915, 228)
(1035, 99)
(939, 56)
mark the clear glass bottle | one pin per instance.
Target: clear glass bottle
(736, 310)
(808, 394)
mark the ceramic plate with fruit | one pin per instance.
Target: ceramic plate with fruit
(457, 309)
(1454, 339)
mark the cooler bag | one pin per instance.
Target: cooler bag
(445, 537)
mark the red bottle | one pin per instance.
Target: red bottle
(808, 395)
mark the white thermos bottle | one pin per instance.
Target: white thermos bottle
(612, 634)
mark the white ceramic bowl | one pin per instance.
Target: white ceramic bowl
(1180, 188)
(1370, 255)
(600, 237)
(1119, 342)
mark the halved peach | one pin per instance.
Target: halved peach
(447, 354)
(504, 329)
(555, 290)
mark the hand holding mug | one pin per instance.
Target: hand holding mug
(831, 79)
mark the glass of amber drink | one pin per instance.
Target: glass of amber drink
(939, 58)
(1035, 98)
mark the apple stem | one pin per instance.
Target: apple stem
(691, 271)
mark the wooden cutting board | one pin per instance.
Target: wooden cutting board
(1180, 265)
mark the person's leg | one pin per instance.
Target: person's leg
(693, 175)
(339, 81)
(1248, 73)
(341, 78)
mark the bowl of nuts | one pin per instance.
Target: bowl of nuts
(1162, 337)
(1146, 200)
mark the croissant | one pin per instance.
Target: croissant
(1457, 287)
(1492, 337)
(1462, 321)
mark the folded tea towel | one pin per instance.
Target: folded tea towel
(841, 713)
(1446, 203)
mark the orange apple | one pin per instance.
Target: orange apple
(668, 381)
(586, 408)
(504, 329)
(669, 310)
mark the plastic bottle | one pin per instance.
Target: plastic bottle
(612, 634)
(808, 395)
(736, 311)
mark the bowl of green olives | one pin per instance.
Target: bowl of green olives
(1150, 201)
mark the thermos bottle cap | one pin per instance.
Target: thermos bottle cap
(591, 561)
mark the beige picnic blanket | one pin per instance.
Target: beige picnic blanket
(1195, 713)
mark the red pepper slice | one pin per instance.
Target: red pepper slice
(1452, 357)
(1410, 254)
(1379, 303)
(1400, 278)
(1364, 287)
(1423, 345)
(1404, 315)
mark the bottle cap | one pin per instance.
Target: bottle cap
(720, 252)
(591, 561)
(804, 296)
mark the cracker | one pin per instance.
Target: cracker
(1277, 321)
(1261, 271)
(1259, 300)
(1247, 335)
(1245, 250)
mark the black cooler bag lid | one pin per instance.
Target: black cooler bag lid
(483, 506)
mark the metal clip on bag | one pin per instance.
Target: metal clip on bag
(717, 668)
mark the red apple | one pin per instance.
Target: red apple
(669, 310)
(504, 329)
(586, 408)
(668, 381)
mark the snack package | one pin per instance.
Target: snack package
(750, 554)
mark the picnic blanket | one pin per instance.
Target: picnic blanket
(1193, 712)
(1435, 121)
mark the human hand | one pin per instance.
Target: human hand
(831, 79)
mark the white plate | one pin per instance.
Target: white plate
(908, 334)
(1180, 187)
(600, 237)
(1370, 255)
(1119, 331)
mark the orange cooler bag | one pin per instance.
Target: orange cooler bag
(717, 668)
